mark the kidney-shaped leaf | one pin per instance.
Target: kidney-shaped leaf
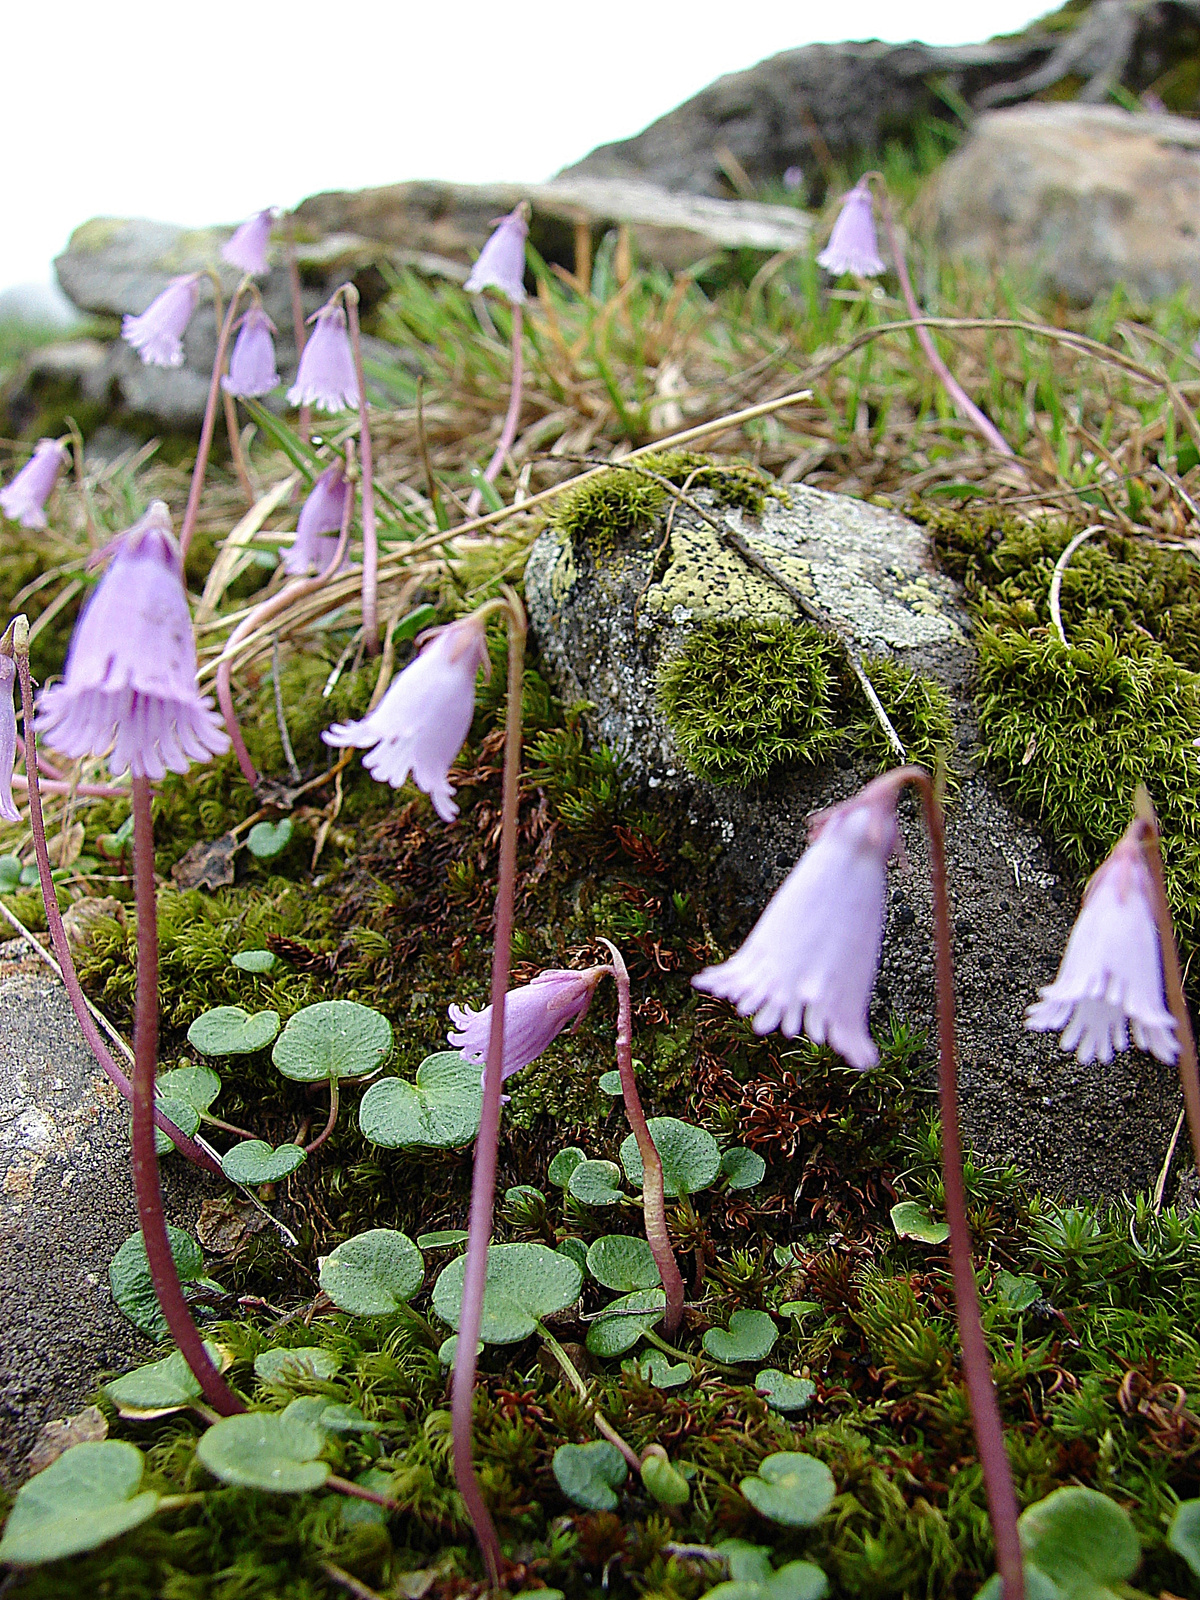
(625, 1321)
(131, 1283)
(750, 1338)
(782, 1391)
(439, 1111)
(588, 1473)
(333, 1039)
(160, 1386)
(1184, 1535)
(745, 1169)
(305, 1363)
(266, 1450)
(794, 1489)
(691, 1157)
(231, 1031)
(621, 1262)
(253, 1161)
(86, 1497)
(1076, 1534)
(595, 1183)
(197, 1086)
(524, 1282)
(374, 1273)
(912, 1221)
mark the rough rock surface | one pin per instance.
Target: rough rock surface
(1084, 196)
(66, 1205)
(604, 624)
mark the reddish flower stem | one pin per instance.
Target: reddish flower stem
(145, 1159)
(264, 613)
(370, 566)
(654, 1209)
(210, 417)
(962, 400)
(509, 431)
(985, 1412)
(62, 949)
(483, 1178)
(1189, 1077)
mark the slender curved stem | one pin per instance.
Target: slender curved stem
(1060, 567)
(235, 446)
(483, 1178)
(329, 1126)
(653, 1202)
(210, 415)
(263, 614)
(985, 1412)
(1189, 1077)
(62, 948)
(370, 566)
(145, 1159)
(949, 382)
(509, 432)
(602, 1424)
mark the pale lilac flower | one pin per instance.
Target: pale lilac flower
(326, 378)
(25, 498)
(8, 739)
(1110, 983)
(252, 363)
(247, 247)
(793, 178)
(811, 957)
(130, 680)
(420, 724)
(320, 514)
(157, 335)
(852, 245)
(534, 1016)
(502, 260)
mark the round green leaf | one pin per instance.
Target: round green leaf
(299, 1364)
(185, 1117)
(796, 1580)
(1016, 1292)
(374, 1273)
(577, 1250)
(793, 1489)
(160, 1386)
(525, 1282)
(254, 1161)
(448, 1350)
(1184, 1535)
(333, 1039)
(619, 1329)
(783, 1392)
(621, 1262)
(610, 1084)
(230, 1031)
(10, 873)
(691, 1157)
(268, 839)
(596, 1183)
(355, 1513)
(745, 1169)
(1075, 1534)
(658, 1368)
(669, 1487)
(522, 1195)
(254, 960)
(589, 1473)
(1039, 1587)
(265, 1450)
(563, 1165)
(442, 1239)
(440, 1111)
(912, 1221)
(131, 1283)
(196, 1086)
(751, 1336)
(86, 1497)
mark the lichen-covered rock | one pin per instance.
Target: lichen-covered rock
(724, 699)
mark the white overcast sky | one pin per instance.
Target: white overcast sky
(197, 113)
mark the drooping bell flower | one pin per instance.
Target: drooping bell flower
(8, 739)
(326, 377)
(157, 335)
(252, 363)
(320, 514)
(247, 246)
(130, 680)
(1110, 983)
(420, 724)
(25, 498)
(501, 262)
(852, 245)
(534, 1016)
(810, 959)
